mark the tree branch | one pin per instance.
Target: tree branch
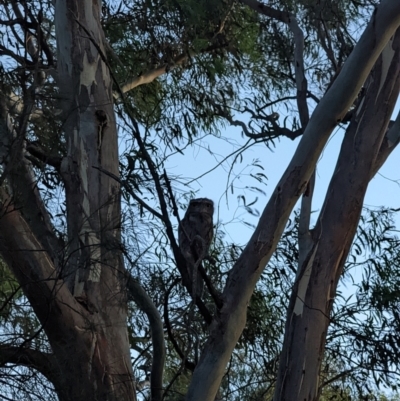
(268, 11)
(390, 142)
(180, 260)
(330, 248)
(188, 364)
(144, 302)
(304, 237)
(22, 180)
(230, 321)
(35, 271)
(44, 363)
(39, 153)
(151, 75)
(301, 80)
(134, 196)
(276, 130)
(154, 73)
(181, 263)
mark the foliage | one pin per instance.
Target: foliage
(222, 61)
(361, 353)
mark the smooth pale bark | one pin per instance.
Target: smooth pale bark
(229, 323)
(94, 270)
(315, 287)
(77, 291)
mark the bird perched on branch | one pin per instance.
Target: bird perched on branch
(195, 236)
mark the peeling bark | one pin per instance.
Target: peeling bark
(80, 298)
(319, 272)
(229, 323)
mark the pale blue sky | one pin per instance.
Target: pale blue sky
(384, 189)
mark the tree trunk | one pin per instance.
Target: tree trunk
(317, 279)
(77, 291)
(230, 322)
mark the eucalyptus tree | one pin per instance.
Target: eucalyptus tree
(75, 74)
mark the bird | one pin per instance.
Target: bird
(195, 234)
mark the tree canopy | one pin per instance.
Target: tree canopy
(96, 99)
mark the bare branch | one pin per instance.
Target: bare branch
(304, 237)
(151, 75)
(326, 43)
(144, 302)
(154, 73)
(267, 10)
(301, 80)
(44, 363)
(134, 196)
(19, 59)
(273, 132)
(188, 364)
(389, 143)
(36, 150)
